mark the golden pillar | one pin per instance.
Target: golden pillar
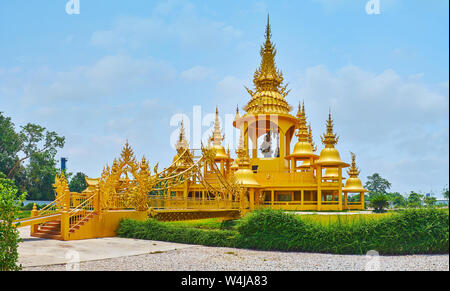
(346, 200)
(363, 206)
(272, 197)
(340, 187)
(319, 188)
(252, 198)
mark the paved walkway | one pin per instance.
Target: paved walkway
(41, 252)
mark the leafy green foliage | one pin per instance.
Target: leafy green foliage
(379, 202)
(413, 231)
(155, 230)
(397, 199)
(377, 184)
(35, 145)
(9, 236)
(445, 192)
(10, 143)
(78, 183)
(430, 201)
(415, 200)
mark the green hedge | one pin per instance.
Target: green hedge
(155, 230)
(421, 231)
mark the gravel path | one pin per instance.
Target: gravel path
(198, 258)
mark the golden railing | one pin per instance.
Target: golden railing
(79, 214)
(159, 202)
(119, 201)
(53, 207)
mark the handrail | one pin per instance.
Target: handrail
(79, 213)
(46, 210)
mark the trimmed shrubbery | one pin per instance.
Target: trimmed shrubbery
(421, 231)
(155, 230)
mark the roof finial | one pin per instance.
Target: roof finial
(329, 139)
(268, 30)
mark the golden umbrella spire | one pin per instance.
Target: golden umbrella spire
(217, 136)
(354, 184)
(329, 139)
(303, 148)
(310, 138)
(270, 93)
(182, 143)
(217, 139)
(353, 172)
(242, 153)
(329, 156)
(302, 127)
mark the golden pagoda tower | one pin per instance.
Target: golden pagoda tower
(244, 174)
(330, 159)
(268, 111)
(354, 184)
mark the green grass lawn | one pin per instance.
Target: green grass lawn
(24, 214)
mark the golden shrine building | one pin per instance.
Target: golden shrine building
(285, 177)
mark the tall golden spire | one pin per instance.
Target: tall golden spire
(182, 143)
(303, 148)
(217, 139)
(302, 127)
(310, 138)
(329, 139)
(242, 153)
(270, 93)
(217, 136)
(353, 172)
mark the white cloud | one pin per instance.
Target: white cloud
(397, 125)
(197, 73)
(109, 76)
(172, 22)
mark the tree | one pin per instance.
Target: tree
(376, 184)
(40, 176)
(430, 201)
(78, 183)
(35, 140)
(10, 143)
(9, 235)
(397, 199)
(379, 202)
(415, 199)
(445, 192)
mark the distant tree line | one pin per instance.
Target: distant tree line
(28, 158)
(380, 199)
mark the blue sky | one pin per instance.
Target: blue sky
(122, 69)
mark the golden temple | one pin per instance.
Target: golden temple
(209, 182)
(297, 179)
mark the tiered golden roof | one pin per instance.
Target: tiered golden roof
(329, 156)
(354, 184)
(270, 93)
